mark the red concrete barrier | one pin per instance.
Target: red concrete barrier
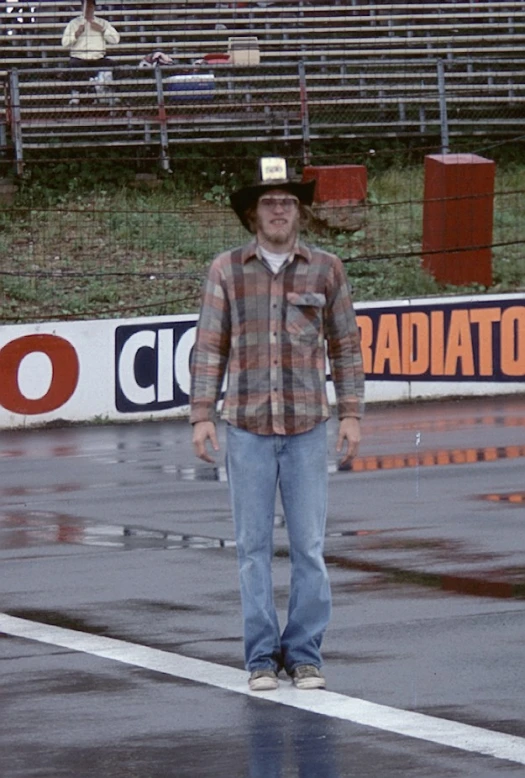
(343, 183)
(458, 218)
(340, 194)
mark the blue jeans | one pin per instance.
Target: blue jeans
(256, 464)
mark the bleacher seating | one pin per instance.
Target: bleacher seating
(155, 106)
(352, 29)
(370, 69)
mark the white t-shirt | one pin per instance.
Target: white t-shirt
(91, 45)
(276, 261)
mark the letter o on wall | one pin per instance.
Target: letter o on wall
(64, 361)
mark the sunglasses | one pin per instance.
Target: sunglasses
(286, 203)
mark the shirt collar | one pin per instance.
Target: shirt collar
(250, 251)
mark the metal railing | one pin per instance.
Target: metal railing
(301, 104)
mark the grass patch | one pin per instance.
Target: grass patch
(120, 251)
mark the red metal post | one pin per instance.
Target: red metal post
(458, 218)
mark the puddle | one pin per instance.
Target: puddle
(27, 491)
(50, 453)
(207, 473)
(57, 619)
(511, 498)
(438, 457)
(132, 538)
(433, 458)
(501, 583)
(363, 532)
(22, 529)
(19, 529)
(500, 421)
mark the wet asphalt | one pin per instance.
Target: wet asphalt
(118, 531)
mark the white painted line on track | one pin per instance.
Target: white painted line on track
(415, 725)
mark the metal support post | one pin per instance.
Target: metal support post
(16, 121)
(443, 107)
(163, 125)
(305, 120)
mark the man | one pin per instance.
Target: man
(267, 310)
(86, 37)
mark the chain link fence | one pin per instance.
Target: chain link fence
(144, 251)
(436, 102)
(380, 84)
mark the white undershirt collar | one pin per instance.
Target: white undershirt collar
(276, 261)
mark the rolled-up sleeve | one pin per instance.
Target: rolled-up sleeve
(68, 38)
(111, 36)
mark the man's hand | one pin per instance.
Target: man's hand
(79, 31)
(349, 437)
(202, 432)
(96, 27)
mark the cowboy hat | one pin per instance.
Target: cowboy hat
(272, 174)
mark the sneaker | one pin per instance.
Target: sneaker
(308, 677)
(263, 680)
(75, 98)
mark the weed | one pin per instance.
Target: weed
(91, 251)
(217, 194)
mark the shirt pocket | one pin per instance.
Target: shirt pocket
(304, 315)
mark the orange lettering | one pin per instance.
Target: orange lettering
(459, 345)
(484, 318)
(365, 326)
(415, 343)
(512, 344)
(387, 346)
(64, 380)
(437, 342)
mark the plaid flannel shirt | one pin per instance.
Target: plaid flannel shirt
(269, 332)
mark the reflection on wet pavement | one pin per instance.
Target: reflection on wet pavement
(504, 582)
(59, 619)
(512, 498)
(104, 461)
(53, 451)
(20, 529)
(440, 457)
(447, 425)
(430, 458)
(305, 747)
(455, 456)
(27, 491)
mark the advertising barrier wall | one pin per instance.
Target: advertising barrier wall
(137, 369)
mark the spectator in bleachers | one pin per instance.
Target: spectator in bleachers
(87, 36)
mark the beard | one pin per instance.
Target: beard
(280, 235)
